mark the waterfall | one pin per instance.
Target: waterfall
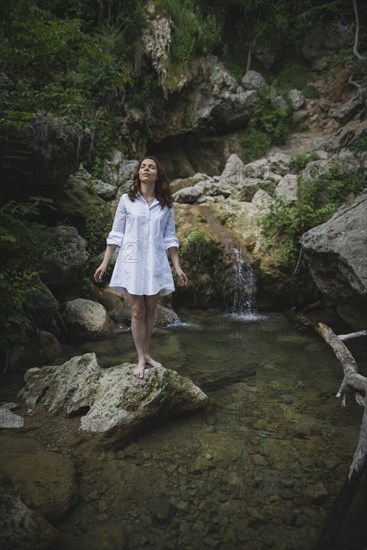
(241, 288)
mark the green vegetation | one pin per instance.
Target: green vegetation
(199, 251)
(193, 33)
(299, 162)
(318, 199)
(268, 125)
(72, 59)
(23, 242)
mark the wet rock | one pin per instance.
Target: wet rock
(258, 460)
(161, 508)
(316, 492)
(179, 504)
(112, 402)
(44, 480)
(165, 316)
(21, 527)
(254, 513)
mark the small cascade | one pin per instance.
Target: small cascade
(241, 289)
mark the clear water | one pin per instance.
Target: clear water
(259, 468)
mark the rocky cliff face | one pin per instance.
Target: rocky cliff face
(337, 255)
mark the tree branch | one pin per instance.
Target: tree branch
(356, 36)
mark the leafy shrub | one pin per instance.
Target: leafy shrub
(194, 34)
(268, 125)
(255, 143)
(300, 161)
(23, 243)
(318, 199)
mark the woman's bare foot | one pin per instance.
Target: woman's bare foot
(152, 362)
(139, 369)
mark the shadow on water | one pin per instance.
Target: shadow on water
(259, 468)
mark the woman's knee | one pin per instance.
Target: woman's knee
(150, 306)
(138, 311)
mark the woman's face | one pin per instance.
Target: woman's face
(148, 172)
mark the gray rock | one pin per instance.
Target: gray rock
(20, 527)
(253, 80)
(347, 111)
(246, 190)
(165, 316)
(188, 195)
(233, 172)
(105, 190)
(256, 169)
(118, 403)
(118, 170)
(336, 252)
(345, 161)
(66, 265)
(279, 163)
(48, 149)
(280, 103)
(263, 201)
(286, 190)
(296, 98)
(87, 319)
(8, 419)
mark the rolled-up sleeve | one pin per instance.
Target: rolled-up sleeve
(169, 235)
(117, 232)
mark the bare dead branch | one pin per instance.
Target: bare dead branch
(352, 335)
(356, 36)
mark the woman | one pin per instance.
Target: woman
(144, 229)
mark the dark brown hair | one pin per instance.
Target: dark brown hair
(162, 189)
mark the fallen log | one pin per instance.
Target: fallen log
(354, 380)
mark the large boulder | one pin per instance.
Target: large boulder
(48, 150)
(119, 171)
(21, 527)
(336, 253)
(66, 265)
(86, 319)
(44, 480)
(112, 402)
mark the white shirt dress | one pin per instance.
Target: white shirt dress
(143, 234)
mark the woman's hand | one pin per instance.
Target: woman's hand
(182, 277)
(100, 271)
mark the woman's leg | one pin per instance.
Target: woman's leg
(138, 329)
(150, 304)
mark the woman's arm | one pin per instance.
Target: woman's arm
(114, 239)
(182, 277)
(98, 276)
